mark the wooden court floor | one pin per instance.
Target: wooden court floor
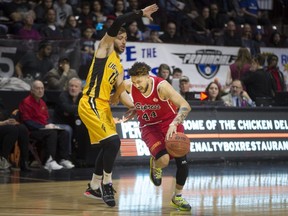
(241, 189)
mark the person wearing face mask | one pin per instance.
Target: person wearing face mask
(57, 78)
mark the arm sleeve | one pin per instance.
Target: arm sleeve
(114, 29)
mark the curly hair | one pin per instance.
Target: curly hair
(139, 69)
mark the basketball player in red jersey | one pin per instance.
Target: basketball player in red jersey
(156, 103)
(105, 73)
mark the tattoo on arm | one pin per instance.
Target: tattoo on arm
(182, 114)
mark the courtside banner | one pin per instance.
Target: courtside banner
(202, 64)
(222, 133)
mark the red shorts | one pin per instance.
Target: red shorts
(154, 137)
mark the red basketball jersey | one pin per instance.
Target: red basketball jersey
(152, 109)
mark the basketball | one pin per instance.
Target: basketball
(178, 145)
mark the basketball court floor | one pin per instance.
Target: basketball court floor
(245, 189)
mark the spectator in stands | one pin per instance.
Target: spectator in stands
(10, 132)
(40, 11)
(252, 13)
(247, 40)
(153, 37)
(164, 71)
(184, 85)
(257, 81)
(230, 36)
(177, 73)
(215, 21)
(34, 65)
(50, 30)
(71, 29)
(101, 32)
(277, 76)
(132, 7)
(28, 31)
(34, 114)
(171, 35)
(237, 97)
(66, 112)
(58, 78)
(119, 8)
(241, 66)
(86, 17)
(63, 10)
(276, 40)
(213, 92)
(258, 39)
(133, 33)
(97, 12)
(16, 10)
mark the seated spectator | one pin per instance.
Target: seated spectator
(213, 93)
(237, 97)
(119, 8)
(97, 12)
(34, 114)
(258, 81)
(133, 33)
(71, 30)
(258, 39)
(276, 40)
(153, 37)
(230, 36)
(171, 35)
(164, 72)
(28, 31)
(50, 30)
(40, 11)
(215, 21)
(247, 40)
(34, 65)
(277, 76)
(57, 78)
(107, 24)
(86, 17)
(184, 85)
(63, 11)
(240, 66)
(177, 73)
(10, 132)
(66, 112)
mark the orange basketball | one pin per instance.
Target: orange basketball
(178, 145)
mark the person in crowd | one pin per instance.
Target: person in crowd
(216, 21)
(213, 92)
(230, 36)
(164, 71)
(50, 30)
(16, 10)
(28, 32)
(107, 24)
(259, 39)
(40, 11)
(97, 12)
(241, 66)
(66, 113)
(86, 17)
(258, 81)
(11, 132)
(247, 40)
(153, 37)
(63, 10)
(184, 86)
(276, 40)
(119, 8)
(57, 78)
(277, 76)
(71, 29)
(133, 5)
(34, 114)
(171, 35)
(177, 73)
(94, 108)
(34, 65)
(159, 123)
(237, 97)
(133, 33)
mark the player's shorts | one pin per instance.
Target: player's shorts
(97, 116)
(154, 136)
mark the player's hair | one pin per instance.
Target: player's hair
(139, 69)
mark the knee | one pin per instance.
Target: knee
(163, 161)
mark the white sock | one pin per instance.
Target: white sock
(107, 177)
(95, 181)
(177, 192)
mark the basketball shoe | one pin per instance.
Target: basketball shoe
(94, 194)
(180, 203)
(108, 191)
(155, 173)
